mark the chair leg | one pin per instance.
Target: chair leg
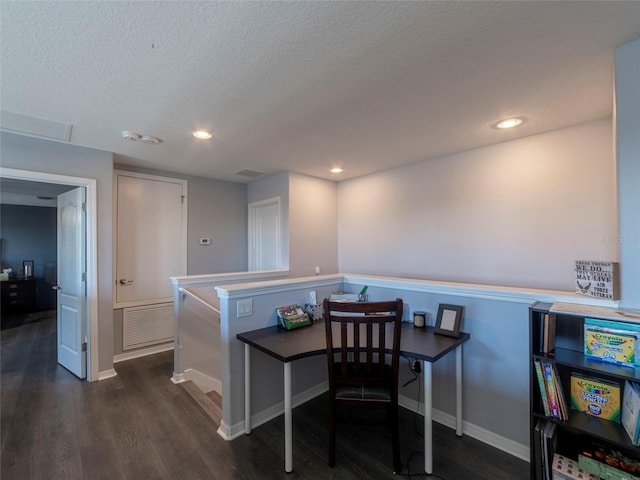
(332, 434)
(395, 439)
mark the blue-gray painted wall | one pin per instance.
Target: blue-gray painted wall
(29, 233)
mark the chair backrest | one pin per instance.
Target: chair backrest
(359, 337)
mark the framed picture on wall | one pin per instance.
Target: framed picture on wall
(448, 320)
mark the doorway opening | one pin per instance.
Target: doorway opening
(265, 242)
(90, 316)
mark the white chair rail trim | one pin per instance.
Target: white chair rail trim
(487, 292)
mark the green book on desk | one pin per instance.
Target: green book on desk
(292, 316)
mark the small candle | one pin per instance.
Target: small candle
(419, 319)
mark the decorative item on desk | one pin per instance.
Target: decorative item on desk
(419, 319)
(362, 296)
(315, 312)
(448, 320)
(27, 268)
(292, 316)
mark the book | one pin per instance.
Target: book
(630, 415)
(548, 448)
(543, 389)
(549, 333)
(552, 394)
(562, 401)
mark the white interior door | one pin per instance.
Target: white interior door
(264, 235)
(150, 239)
(71, 285)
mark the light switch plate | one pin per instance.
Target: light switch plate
(245, 308)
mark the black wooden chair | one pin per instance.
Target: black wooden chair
(360, 337)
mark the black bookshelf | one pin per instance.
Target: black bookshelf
(580, 430)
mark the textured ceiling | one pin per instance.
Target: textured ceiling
(305, 86)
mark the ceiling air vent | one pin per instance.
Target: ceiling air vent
(249, 173)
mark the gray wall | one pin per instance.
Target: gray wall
(313, 213)
(309, 220)
(519, 213)
(29, 233)
(32, 154)
(217, 210)
(628, 168)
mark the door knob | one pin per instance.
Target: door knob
(124, 281)
(56, 287)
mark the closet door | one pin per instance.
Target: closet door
(151, 234)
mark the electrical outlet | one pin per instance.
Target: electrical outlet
(245, 308)
(416, 367)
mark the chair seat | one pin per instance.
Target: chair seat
(361, 392)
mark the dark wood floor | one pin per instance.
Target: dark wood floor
(139, 425)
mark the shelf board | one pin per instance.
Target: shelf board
(584, 424)
(580, 361)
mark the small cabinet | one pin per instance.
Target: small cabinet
(18, 295)
(580, 432)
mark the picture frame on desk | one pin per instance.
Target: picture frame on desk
(449, 320)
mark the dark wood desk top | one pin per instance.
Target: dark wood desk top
(289, 345)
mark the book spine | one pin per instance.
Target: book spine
(543, 388)
(551, 390)
(562, 403)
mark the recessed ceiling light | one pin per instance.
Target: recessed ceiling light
(509, 123)
(336, 170)
(202, 134)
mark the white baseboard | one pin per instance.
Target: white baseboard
(516, 449)
(204, 382)
(103, 375)
(142, 352)
(236, 430)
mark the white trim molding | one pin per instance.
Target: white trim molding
(485, 436)
(234, 431)
(142, 352)
(92, 252)
(103, 375)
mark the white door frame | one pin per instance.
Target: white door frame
(92, 251)
(251, 254)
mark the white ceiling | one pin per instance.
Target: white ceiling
(305, 86)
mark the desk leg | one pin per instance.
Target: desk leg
(288, 443)
(459, 390)
(428, 427)
(247, 389)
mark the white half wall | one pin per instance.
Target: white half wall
(516, 214)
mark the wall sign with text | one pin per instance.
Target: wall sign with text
(598, 279)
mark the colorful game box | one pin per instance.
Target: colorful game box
(595, 397)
